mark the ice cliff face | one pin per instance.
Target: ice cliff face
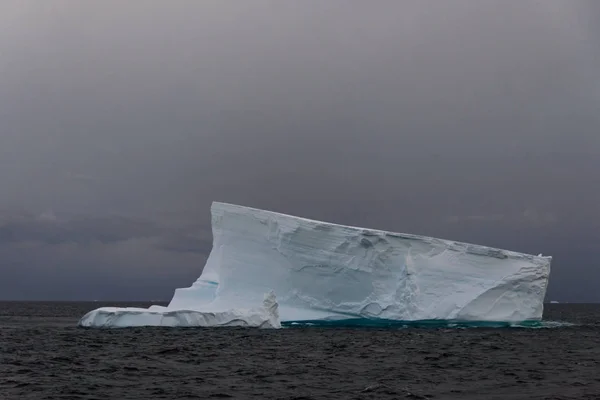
(323, 271)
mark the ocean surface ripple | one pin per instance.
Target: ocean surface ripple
(43, 355)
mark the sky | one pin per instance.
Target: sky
(120, 123)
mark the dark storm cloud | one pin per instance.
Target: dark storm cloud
(74, 257)
(49, 229)
(472, 120)
(192, 239)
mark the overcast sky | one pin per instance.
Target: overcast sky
(121, 121)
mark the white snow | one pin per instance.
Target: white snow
(109, 317)
(324, 271)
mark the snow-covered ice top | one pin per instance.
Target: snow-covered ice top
(329, 272)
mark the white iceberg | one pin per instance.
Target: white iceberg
(323, 272)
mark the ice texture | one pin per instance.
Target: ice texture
(112, 317)
(327, 272)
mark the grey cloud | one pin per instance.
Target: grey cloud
(193, 239)
(533, 215)
(394, 115)
(530, 216)
(79, 177)
(128, 270)
(49, 229)
(477, 218)
(92, 257)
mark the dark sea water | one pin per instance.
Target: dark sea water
(43, 355)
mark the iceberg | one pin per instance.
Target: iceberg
(328, 273)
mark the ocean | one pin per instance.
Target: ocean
(44, 355)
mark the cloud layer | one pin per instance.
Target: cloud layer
(471, 122)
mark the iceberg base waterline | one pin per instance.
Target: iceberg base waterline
(433, 323)
(327, 273)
